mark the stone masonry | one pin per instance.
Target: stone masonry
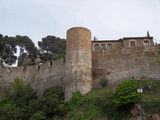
(87, 62)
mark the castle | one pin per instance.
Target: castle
(87, 62)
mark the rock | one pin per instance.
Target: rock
(155, 117)
(136, 110)
(136, 118)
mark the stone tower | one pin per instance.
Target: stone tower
(78, 70)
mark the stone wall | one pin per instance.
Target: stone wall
(139, 41)
(124, 63)
(45, 77)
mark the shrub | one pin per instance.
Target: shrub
(82, 108)
(150, 85)
(76, 101)
(158, 60)
(126, 93)
(39, 115)
(59, 56)
(21, 103)
(151, 104)
(15, 103)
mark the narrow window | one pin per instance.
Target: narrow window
(132, 44)
(103, 46)
(96, 46)
(109, 46)
(146, 43)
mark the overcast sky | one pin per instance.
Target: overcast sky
(107, 19)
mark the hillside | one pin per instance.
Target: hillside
(22, 103)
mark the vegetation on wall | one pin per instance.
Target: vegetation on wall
(157, 57)
(59, 56)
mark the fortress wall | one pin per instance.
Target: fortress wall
(124, 63)
(46, 77)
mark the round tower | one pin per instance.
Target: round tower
(78, 71)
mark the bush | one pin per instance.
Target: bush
(21, 103)
(150, 85)
(126, 93)
(15, 103)
(59, 56)
(151, 104)
(82, 108)
(39, 115)
(157, 57)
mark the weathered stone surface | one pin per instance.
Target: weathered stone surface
(78, 62)
(116, 64)
(122, 64)
(155, 117)
(45, 77)
(136, 110)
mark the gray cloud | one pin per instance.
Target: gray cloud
(107, 19)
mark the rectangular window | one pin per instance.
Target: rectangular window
(103, 46)
(132, 43)
(146, 43)
(96, 47)
(109, 46)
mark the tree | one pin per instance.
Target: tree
(27, 49)
(7, 50)
(50, 46)
(126, 93)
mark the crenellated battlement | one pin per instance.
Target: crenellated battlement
(40, 77)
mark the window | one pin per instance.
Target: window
(109, 46)
(96, 47)
(132, 44)
(146, 43)
(103, 46)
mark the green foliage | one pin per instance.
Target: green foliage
(21, 103)
(39, 115)
(158, 57)
(7, 50)
(82, 108)
(126, 93)
(59, 56)
(50, 46)
(150, 85)
(103, 82)
(52, 101)
(151, 104)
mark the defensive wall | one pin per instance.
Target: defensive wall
(121, 64)
(40, 78)
(86, 64)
